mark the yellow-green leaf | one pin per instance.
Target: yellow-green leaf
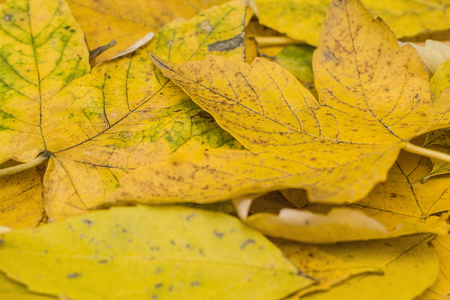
(373, 98)
(149, 252)
(21, 203)
(407, 265)
(302, 19)
(122, 115)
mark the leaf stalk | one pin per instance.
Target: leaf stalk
(25, 166)
(426, 152)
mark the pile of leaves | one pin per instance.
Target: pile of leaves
(290, 149)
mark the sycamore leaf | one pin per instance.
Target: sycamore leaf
(99, 126)
(404, 194)
(128, 21)
(373, 98)
(10, 289)
(21, 203)
(302, 19)
(195, 259)
(441, 288)
(409, 265)
(400, 206)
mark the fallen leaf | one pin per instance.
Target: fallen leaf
(441, 288)
(327, 268)
(373, 98)
(195, 259)
(128, 21)
(122, 115)
(302, 19)
(21, 202)
(400, 206)
(409, 265)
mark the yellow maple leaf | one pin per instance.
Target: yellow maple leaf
(97, 126)
(202, 251)
(302, 19)
(373, 98)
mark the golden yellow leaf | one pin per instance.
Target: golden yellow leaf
(404, 194)
(439, 139)
(122, 115)
(441, 288)
(11, 290)
(297, 59)
(128, 21)
(400, 206)
(302, 19)
(132, 250)
(373, 98)
(21, 202)
(330, 269)
(408, 266)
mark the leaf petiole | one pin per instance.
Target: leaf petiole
(270, 41)
(426, 152)
(28, 165)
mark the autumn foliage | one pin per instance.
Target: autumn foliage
(266, 150)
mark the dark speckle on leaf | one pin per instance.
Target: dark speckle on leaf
(227, 45)
(218, 234)
(247, 242)
(103, 261)
(2, 241)
(7, 17)
(195, 283)
(189, 217)
(73, 275)
(88, 222)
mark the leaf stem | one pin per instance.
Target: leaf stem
(269, 41)
(427, 152)
(22, 167)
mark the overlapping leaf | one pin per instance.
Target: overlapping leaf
(440, 139)
(441, 288)
(21, 202)
(407, 266)
(128, 21)
(373, 98)
(302, 19)
(99, 126)
(195, 259)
